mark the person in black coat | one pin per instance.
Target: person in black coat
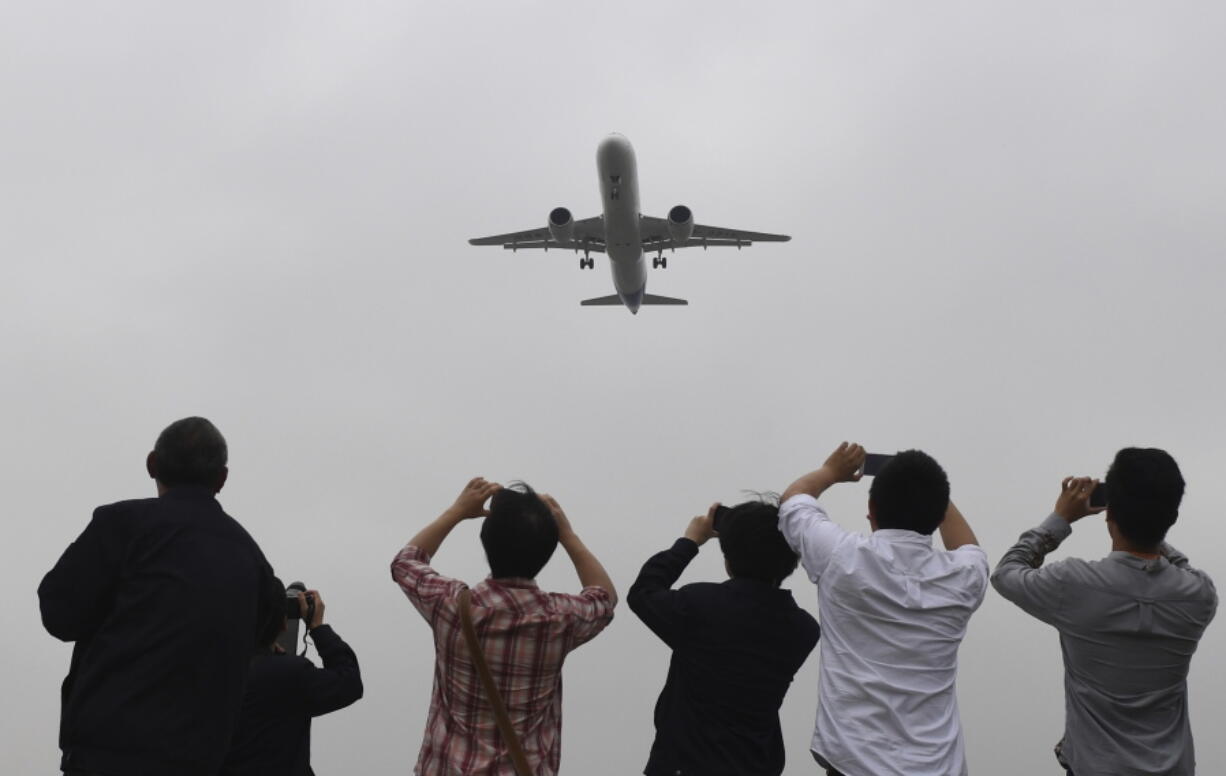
(164, 598)
(285, 691)
(736, 646)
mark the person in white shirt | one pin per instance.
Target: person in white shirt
(893, 611)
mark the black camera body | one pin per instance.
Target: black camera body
(288, 640)
(292, 610)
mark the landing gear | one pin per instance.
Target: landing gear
(659, 262)
(587, 263)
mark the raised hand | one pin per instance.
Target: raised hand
(1073, 503)
(471, 501)
(702, 527)
(845, 463)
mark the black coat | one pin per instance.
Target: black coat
(163, 598)
(283, 693)
(736, 646)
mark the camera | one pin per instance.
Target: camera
(292, 610)
(293, 614)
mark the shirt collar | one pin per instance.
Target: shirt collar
(1142, 564)
(190, 493)
(522, 582)
(903, 536)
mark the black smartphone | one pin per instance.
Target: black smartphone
(721, 512)
(873, 463)
(1098, 496)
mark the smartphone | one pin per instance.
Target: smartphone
(721, 513)
(1098, 496)
(873, 463)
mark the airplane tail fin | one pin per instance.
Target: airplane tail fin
(655, 299)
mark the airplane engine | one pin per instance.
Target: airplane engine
(561, 224)
(680, 223)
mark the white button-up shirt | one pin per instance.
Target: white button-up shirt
(893, 611)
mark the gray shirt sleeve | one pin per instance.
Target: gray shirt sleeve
(1021, 578)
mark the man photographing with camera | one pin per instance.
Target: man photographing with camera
(1128, 623)
(736, 646)
(285, 691)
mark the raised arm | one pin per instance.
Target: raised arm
(955, 531)
(339, 682)
(843, 465)
(652, 598)
(1020, 576)
(591, 572)
(470, 503)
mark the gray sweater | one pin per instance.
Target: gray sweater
(1128, 628)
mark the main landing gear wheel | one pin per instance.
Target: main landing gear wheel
(587, 263)
(660, 262)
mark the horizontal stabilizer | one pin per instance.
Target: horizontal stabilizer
(602, 301)
(653, 299)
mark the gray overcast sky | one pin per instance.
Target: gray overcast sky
(1007, 244)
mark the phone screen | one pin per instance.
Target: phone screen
(873, 463)
(721, 512)
(1098, 496)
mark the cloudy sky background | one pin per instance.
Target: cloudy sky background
(1007, 250)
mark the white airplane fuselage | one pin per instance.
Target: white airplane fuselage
(619, 196)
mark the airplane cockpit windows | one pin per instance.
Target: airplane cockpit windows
(615, 179)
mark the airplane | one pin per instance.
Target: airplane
(624, 233)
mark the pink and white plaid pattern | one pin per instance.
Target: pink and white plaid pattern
(526, 634)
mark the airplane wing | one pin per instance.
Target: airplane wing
(588, 235)
(655, 236)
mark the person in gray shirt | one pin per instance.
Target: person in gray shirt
(1128, 623)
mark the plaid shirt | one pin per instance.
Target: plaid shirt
(525, 634)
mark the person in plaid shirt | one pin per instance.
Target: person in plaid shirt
(524, 632)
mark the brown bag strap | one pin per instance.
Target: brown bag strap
(491, 690)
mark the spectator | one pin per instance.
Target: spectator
(525, 633)
(163, 598)
(1128, 623)
(285, 691)
(736, 646)
(893, 610)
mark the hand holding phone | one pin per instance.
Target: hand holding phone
(873, 463)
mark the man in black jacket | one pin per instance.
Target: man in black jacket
(164, 598)
(736, 647)
(285, 691)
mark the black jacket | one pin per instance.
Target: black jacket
(163, 597)
(283, 693)
(736, 646)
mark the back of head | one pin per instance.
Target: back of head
(752, 545)
(1144, 488)
(910, 492)
(520, 534)
(190, 451)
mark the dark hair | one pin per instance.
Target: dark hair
(1144, 488)
(274, 619)
(910, 492)
(520, 534)
(190, 451)
(752, 544)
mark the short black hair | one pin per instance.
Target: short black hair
(750, 539)
(520, 534)
(910, 492)
(274, 618)
(190, 451)
(1144, 488)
